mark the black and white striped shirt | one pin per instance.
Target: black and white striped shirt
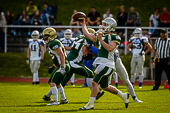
(162, 48)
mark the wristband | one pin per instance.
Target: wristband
(152, 58)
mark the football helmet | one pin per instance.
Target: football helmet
(109, 24)
(92, 31)
(35, 35)
(68, 34)
(137, 32)
(49, 34)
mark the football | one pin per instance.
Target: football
(79, 16)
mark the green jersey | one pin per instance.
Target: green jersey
(54, 44)
(76, 53)
(105, 57)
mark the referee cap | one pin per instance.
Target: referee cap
(163, 30)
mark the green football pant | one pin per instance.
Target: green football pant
(77, 68)
(103, 75)
(56, 76)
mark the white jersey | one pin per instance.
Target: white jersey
(138, 45)
(35, 50)
(67, 43)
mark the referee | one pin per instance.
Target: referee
(162, 52)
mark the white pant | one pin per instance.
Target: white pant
(137, 62)
(34, 66)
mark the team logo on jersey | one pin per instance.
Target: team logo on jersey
(117, 37)
(56, 46)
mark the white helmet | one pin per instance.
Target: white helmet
(68, 34)
(137, 32)
(35, 35)
(109, 24)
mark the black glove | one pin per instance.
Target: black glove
(27, 60)
(41, 61)
(63, 71)
(88, 56)
(50, 69)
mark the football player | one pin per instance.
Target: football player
(35, 55)
(107, 43)
(67, 41)
(57, 51)
(121, 70)
(137, 46)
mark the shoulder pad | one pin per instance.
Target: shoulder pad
(145, 39)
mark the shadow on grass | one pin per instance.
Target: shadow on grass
(32, 105)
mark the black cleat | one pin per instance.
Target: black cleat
(46, 98)
(37, 82)
(33, 83)
(99, 95)
(117, 84)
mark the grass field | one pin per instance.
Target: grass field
(27, 98)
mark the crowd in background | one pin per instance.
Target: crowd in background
(32, 16)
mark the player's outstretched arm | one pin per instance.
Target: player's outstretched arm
(28, 52)
(129, 47)
(92, 37)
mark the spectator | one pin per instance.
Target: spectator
(93, 18)
(36, 19)
(2, 32)
(31, 8)
(107, 14)
(161, 50)
(165, 18)
(122, 16)
(73, 22)
(60, 33)
(154, 22)
(47, 15)
(9, 17)
(23, 20)
(76, 32)
(133, 18)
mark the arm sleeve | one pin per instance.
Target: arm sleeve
(94, 50)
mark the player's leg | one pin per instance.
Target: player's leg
(133, 70)
(72, 79)
(32, 71)
(54, 82)
(121, 71)
(80, 69)
(36, 67)
(116, 79)
(140, 63)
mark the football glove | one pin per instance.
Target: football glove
(142, 53)
(27, 60)
(50, 69)
(63, 71)
(41, 61)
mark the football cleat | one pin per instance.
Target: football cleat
(72, 84)
(87, 107)
(84, 85)
(64, 101)
(53, 103)
(140, 85)
(33, 83)
(137, 100)
(126, 99)
(117, 84)
(37, 82)
(46, 98)
(99, 95)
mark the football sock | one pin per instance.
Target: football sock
(120, 94)
(141, 78)
(34, 77)
(72, 78)
(134, 97)
(49, 93)
(62, 94)
(133, 78)
(54, 93)
(89, 82)
(91, 100)
(115, 77)
(130, 89)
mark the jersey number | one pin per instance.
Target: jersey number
(77, 43)
(33, 47)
